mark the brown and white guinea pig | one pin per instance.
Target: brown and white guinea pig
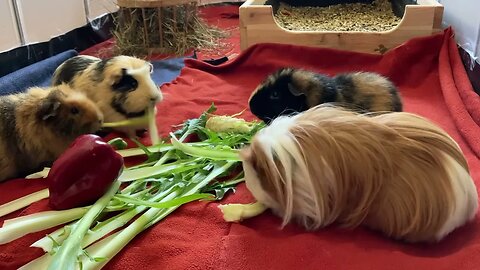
(397, 173)
(38, 125)
(121, 86)
(291, 90)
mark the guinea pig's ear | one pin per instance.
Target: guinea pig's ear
(150, 66)
(49, 108)
(294, 90)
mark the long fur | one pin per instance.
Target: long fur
(121, 86)
(396, 172)
(38, 125)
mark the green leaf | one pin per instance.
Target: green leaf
(92, 259)
(55, 245)
(143, 147)
(221, 188)
(224, 154)
(191, 126)
(220, 192)
(118, 143)
(146, 172)
(167, 204)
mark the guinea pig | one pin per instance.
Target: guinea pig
(38, 125)
(290, 90)
(121, 86)
(396, 173)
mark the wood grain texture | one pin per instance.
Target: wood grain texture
(257, 25)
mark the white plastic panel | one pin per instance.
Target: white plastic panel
(43, 20)
(463, 16)
(97, 8)
(9, 38)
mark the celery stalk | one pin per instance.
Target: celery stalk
(213, 154)
(47, 242)
(22, 202)
(132, 152)
(108, 249)
(171, 203)
(66, 256)
(41, 174)
(140, 173)
(152, 125)
(100, 230)
(41, 262)
(137, 121)
(18, 227)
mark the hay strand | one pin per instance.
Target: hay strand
(166, 30)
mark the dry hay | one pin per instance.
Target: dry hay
(377, 16)
(138, 31)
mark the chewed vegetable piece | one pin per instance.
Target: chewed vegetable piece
(41, 174)
(236, 212)
(223, 123)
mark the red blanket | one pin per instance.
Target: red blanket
(433, 83)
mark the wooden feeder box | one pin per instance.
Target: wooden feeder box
(418, 18)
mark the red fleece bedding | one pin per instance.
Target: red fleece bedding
(433, 83)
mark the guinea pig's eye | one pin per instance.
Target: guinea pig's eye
(274, 95)
(74, 110)
(134, 84)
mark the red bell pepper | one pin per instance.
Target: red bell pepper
(83, 173)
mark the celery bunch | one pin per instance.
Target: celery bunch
(174, 174)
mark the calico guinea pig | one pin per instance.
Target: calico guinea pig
(290, 90)
(38, 125)
(121, 86)
(396, 173)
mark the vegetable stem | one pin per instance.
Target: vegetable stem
(22, 202)
(66, 256)
(108, 249)
(213, 154)
(15, 228)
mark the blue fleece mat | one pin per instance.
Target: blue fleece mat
(40, 73)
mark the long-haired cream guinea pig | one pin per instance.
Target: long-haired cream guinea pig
(397, 173)
(38, 125)
(291, 90)
(121, 86)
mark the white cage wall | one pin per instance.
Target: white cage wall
(24, 22)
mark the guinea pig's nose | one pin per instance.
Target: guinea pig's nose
(155, 99)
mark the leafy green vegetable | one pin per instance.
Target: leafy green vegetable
(174, 174)
(192, 126)
(65, 257)
(118, 143)
(171, 203)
